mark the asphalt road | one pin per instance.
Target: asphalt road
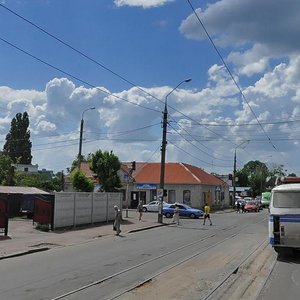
(200, 256)
(284, 281)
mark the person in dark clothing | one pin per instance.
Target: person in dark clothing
(140, 210)
(118, 218)
(243, 207)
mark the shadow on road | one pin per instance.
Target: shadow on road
(292, 257)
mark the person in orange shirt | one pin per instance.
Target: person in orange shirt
(207, 214)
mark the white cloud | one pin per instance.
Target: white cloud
(55, 116)
(142, 3)
(249, 27)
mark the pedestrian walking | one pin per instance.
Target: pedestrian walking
(238, 207)
(140, 210)
(207, 214)
(243, 206)
(176, 215)
(118, 218)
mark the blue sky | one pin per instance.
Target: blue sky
(155, 44)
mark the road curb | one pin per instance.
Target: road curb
(31, 251)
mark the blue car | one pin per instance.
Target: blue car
(184, 211)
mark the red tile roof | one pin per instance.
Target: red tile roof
(175, 173)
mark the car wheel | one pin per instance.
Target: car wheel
(192, 216)
(168, 215)
(144, 209)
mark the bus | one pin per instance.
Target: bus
(265, 199)
(284, 218)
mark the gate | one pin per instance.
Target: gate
(43, 212)
(3, 216)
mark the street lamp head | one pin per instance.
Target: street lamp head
(188, 80)
(90, 108)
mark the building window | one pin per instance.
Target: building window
(187, 197)
(25, 169)
(171, 196)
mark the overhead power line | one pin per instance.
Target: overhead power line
(75, 77)
(237, 124)
(197, 158)
(190, 142)
(231, 75)
(80, 52)
(95, 61)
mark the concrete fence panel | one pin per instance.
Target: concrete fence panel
(99, 207)
(71, 209)
(64, 208)
(83, 208)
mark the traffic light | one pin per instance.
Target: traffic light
(230, 176)
(133, 166)
(165, 194)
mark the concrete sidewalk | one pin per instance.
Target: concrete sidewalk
(23, 238)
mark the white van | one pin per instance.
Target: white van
(284, 218)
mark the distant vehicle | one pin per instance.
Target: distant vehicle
(258, 203)
(265, 199)
(284, 219)
(248, 199)
(27, 206)
(251, 206)
(152, 206)
(184, 211)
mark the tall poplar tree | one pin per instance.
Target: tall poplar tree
(18, 145)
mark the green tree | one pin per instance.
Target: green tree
(6, 170)
(257, 173)
(18, 145)
(75, 163)
(242, 177)
(57, 182)
(80, 182)
(40, 181)
(275, 171)
(106, 165)
(29, 179)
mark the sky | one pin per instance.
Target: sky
(58, 59)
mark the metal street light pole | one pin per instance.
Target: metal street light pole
(80, 138)
(234, 170)
(163, 151)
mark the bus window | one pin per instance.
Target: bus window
(286, 200)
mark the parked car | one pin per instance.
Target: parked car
(184, 211)
(251, 206)
(152, 206)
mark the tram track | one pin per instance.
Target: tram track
(134, 285)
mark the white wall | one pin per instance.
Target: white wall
(75, 208)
